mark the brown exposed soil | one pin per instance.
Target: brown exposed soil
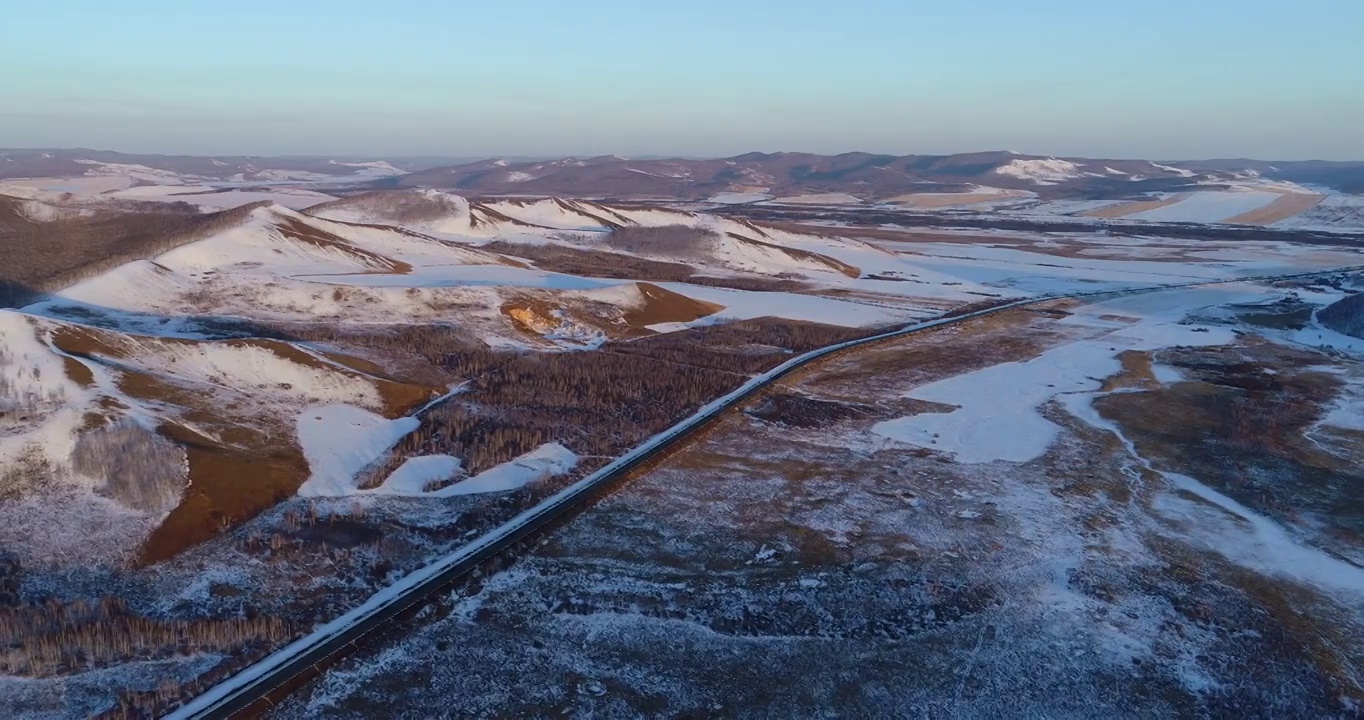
(1136, 372)
(600, 218)
(307, 234)
(1242, 431)
(804, 256)
(605, 211)
(227, 485)
(661, 305)
(1288, 205)
(481, 215)
(92, 421)
(488, 258)
(398, 397)
(1008, 336)
(247, 466)
(78, 372)
(84, 342)
(532, 316)
(145, 386)
(594, 263)
(1132, 208)
(537, 315)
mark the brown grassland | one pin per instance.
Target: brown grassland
(1288, 205)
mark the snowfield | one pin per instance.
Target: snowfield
(339, 441)
(549, 460)
(1209, 207)
(1049, 171)
(997, 414)
(34, 381)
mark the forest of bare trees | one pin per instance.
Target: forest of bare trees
(598, 404)
(397, 206)
(1345, 315)
(140, 468)
(58, 638)
(587, 262)
(674, 241)
(45, 256)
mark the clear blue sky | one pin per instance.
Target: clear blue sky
(1149, 78)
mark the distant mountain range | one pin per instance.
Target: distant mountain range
(863, 176)
(66, 162)
(872, 177)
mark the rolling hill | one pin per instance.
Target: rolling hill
(868, 177)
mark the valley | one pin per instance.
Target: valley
(237, 403)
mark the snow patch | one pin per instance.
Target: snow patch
(1181, 172)
(139, 172)
(1269, 547)
(997, 414)
(1209, 206)
(545, 462)
(418, 472)
(819, 199)
(1049, 171)
(738, 198)
(339, 441)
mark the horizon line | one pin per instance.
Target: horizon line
(475, 157)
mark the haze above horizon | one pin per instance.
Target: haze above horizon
(1158, 79)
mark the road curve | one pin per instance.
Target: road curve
(247, 687)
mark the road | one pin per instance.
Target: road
(339, 636)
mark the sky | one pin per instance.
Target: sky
(1167, 79)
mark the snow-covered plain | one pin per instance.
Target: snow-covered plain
(1209, 207)
(997, 415)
